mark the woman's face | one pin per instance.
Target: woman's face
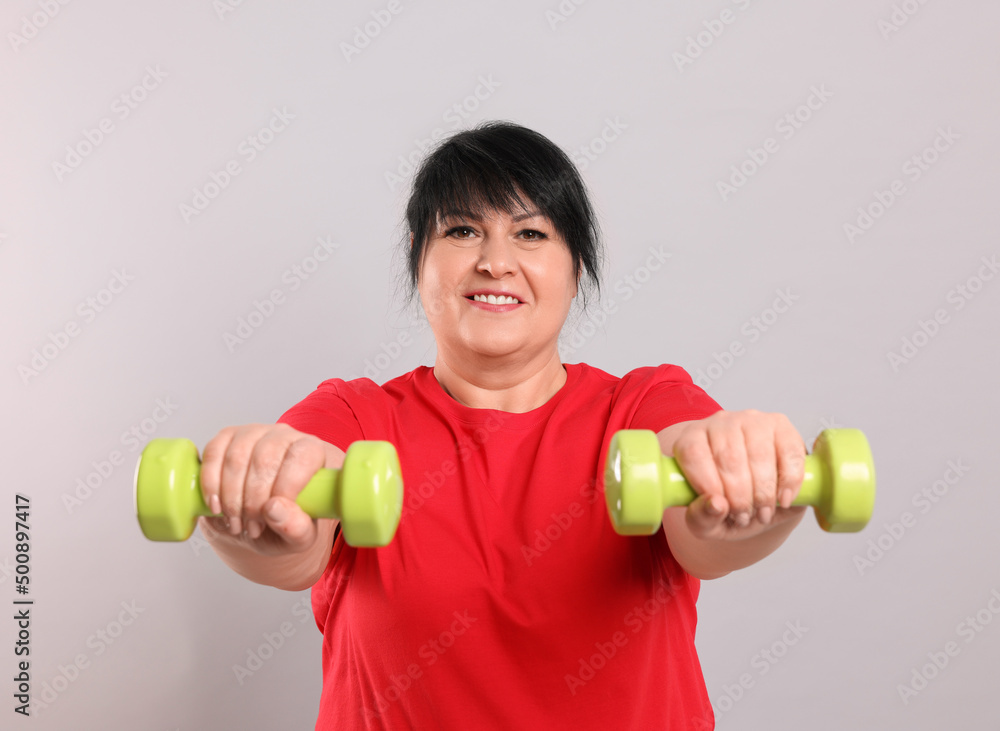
(520, 255)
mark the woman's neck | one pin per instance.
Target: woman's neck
(512, 388)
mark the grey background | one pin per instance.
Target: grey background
(825, 361)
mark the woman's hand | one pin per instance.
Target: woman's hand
(747, 467)
(252, 475)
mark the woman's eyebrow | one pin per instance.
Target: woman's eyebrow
(452, 214)
(528, 214)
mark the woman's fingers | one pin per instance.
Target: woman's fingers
(282, 463)
(235, 469)
(694, 456)
(290, 522)
(210, 476)
(730, 454)
(763, 468)
(706, 515)
(791, 461)
(266, 459)
(745, 464)
(243, 467)
(303, 456)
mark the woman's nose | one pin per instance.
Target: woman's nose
(496, 256)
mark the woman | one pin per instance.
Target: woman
(505, 600)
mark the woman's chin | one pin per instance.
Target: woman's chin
(492, 347)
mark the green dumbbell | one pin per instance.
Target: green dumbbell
(366, 494)
(640, 482)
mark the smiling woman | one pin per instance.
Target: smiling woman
(506, 599)
(500, 211)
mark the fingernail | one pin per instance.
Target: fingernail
(743, 520)
(765, 514)
(786, 498)
(214, 504)
(235, 526)
(276, 512)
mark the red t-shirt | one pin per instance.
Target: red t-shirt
(506, 600)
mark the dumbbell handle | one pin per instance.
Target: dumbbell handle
(677, 491)
(318, 498)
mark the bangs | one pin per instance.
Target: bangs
(466, 191)
(465, 187)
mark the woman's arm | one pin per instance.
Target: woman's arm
(291, 572)
(745, 466)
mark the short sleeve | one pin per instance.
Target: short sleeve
(326, 414)
(669, 397)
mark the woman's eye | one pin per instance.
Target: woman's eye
(460, 230)
(532, 235)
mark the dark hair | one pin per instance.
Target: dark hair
(488, 168)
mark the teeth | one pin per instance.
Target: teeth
(494, 300)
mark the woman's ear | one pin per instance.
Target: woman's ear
(411, 239)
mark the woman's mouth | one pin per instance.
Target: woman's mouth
(492, 303)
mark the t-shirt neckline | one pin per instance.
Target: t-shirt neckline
(509, 419)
